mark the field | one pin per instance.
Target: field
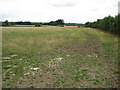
(59, 57)
(23, 26)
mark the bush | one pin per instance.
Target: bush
(38, 25)
(109, 24)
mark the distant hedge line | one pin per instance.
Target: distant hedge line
(109, 24)
(59, 22)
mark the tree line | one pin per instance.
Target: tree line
(59, 22)
(7, 23)
(109, 24)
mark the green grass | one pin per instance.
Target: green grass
(65, 57)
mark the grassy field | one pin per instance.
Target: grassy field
(24, 26)
(59, 57)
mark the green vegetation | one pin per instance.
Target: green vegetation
(7, 23)
(38, 25)
(59, 57)
(108, 24)
(59, 22)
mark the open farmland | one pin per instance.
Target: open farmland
(59, 57)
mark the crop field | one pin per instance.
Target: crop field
(59, 57)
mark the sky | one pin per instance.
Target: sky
(71, 11)
(119, 7)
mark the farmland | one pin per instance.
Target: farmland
(59, 57)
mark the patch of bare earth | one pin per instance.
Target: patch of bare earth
(89, 47)
(100, 73)
(42, 77)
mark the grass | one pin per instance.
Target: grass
(59, 57)
(22, 26)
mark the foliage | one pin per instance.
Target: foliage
(23, 23)
(6, 23)
(59, 22)
(109, 24)
(38, 25)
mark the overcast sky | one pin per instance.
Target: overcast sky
(73, 11)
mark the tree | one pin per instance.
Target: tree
(6, 23)
(88, 24)
(60, 22)
(38, 25)
(109, 24)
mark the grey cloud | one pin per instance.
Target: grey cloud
(66, 4)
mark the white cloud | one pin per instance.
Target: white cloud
(79, 11)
